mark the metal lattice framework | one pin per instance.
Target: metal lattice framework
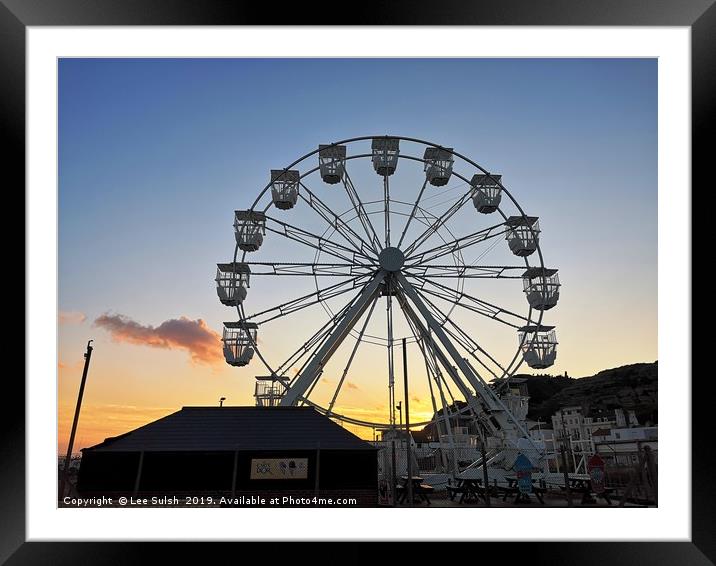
(417, 247)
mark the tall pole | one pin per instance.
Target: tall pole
(485, 475)
(564, 459)
(407, 424)
(70, 446)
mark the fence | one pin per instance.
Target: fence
(560, 475)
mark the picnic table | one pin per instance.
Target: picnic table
(584, 486)
(469, 490)
(538, 488)
(420, 490)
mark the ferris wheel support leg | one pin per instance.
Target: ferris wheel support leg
(440, 356)
(501, 413)
(320, 359)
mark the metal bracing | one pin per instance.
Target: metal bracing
(312, 240)
(361, 213)
(306, 301)
(391, 357)
(458, 244)
(493, 404)
(412, 212)
(386, 209)
(432, 371)
(488, 418)
(335, 221)
(308, 269)
(462, 299)
(312, 371)
(316, 338)
(467, 271)
(463, 338)
(442, 219)
(351, 357)
(479, 404)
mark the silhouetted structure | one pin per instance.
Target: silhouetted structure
(271, 451)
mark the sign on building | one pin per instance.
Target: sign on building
(279, 468)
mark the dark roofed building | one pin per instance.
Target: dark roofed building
(234, 450)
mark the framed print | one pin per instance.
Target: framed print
(329, 282)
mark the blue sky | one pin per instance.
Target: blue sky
(154, 155)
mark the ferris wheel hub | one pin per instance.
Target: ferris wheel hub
(391, 259)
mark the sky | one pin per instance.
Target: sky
(155, 155)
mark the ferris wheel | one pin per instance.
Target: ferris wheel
(373, 241)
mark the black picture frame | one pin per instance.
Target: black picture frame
(16, 15)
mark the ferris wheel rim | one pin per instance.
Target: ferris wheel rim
(538, 322)
(408, 139)
(415, 158)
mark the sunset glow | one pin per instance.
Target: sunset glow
(155, 155)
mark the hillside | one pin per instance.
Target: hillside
(633, 386)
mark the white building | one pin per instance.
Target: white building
(571, 423)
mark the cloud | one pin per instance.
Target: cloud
(193, 336)
(351, 385)
(415, 398)
(71, 317)
(76, 365)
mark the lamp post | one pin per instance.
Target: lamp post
(70, 446)
(407, 425)
(221, 401)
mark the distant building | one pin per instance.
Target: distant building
(621, 446)
(542, 432)
(617, 440)
(572, 422)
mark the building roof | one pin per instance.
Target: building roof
(541, 426)
(601, 432)
(236, 428)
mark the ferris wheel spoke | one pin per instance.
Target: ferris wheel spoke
(352, 356)
(467, 301)
(306, 301)
(307, 269)
(456, 245)
(428, 349)
(335, 221)
(360, 212)
(464, 339)
(442, 219)
(433, 373)
(334, 340)
(386, 208)
(424, 333)
(309, 344)
(391, 358)
(467, 271)
(318, 243)
(430, 375)
(412, 212)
